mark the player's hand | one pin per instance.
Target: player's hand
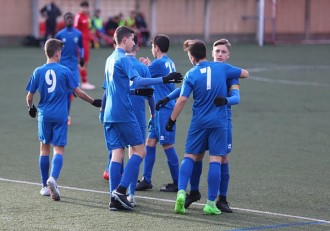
(32, 111)
(97, 102)
(174, 77)
(145, 61)
(220, 101)
(144, 91)
(162, 103)
(101, 117)
(170, 124)
(82, 62)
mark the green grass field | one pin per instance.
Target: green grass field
(280, 177)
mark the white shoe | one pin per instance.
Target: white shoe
(45, 191)
(54, 192)
(87, 86)
(132, 200)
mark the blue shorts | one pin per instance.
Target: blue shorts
(158, 131)
(120, 135)
(54, 133)
(212, 139)
(107, 143)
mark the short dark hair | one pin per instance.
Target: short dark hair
(222, 41)
(68, 14)
(162, 41)
(84, 4)
(196, 48)
(121, 32)
(51, 46)
(136, 41)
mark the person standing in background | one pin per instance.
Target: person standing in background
(72, 50)
(50, 11)
(81, 22)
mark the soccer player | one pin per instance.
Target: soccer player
(220, 53)
(208, 127)
(73, 47)
(53, 81)
(161, 66)
(121, 126)
(81, 22)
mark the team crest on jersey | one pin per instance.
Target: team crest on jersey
(162, 138)
(75, 39)
(64, 40)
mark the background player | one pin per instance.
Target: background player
(73, 47)
(53, 81)
(81, 22)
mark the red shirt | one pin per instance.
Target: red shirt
(81, 22)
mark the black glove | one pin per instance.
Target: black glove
(174, 77)
(32, 111)
(82, 62)
(144, 91)
(97, 102)
(162, 103)
(169, 125)
(220, 101)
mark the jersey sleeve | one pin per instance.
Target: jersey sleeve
(187, 86)
(32, 85)
(71, 82)
(232, 71)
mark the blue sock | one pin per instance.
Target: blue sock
(44, 169)
(115, 175)
(132, 185)
(57, 163)
(213, 180)
(109, 159)
(173, 163)
(196, 175)
(149, 161)
(224, 182)
(131, 170)
(185, 172)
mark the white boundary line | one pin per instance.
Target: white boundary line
(286, 68)
(172, 201)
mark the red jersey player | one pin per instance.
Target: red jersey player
(81, 22)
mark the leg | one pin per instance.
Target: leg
(44, 167)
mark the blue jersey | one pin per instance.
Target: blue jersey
(207, 80)
(118, 73)
(72, 39)
(53, 81)
(138, 102)
(160, 68)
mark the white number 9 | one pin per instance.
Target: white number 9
(49, 81)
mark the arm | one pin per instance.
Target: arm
(178, 107)
(175, 113)
(29, 99)
(244, 73)
(174, 77)
(83, 95)
(31, 108)
(81, 52)
(174, 94)
(234, 95)
(151, 102)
